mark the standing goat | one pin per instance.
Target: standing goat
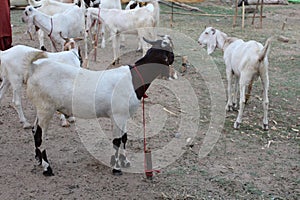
(14, 71)
(140, 21)
(49, 7)
(106, 4)
(114, 93)
(69, 24)
(246, 61)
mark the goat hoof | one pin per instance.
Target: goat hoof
(237, 125)
(26, 125)
(234, 107)
(65, 124)
(125, 164)
(265, 127)
(48, 172)
(43, 48)
(229, 108)
(115, 62)
(117, 172)
(71, 119)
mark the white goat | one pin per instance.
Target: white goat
(140, 21)
(49, 7)
(14, 72)
(133, 4)
(114, 93)
(69, 24)
(245, 61)
(107, 4)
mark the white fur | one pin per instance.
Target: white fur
(107, 4)
(49, 7)
(69, 24)
(140, 21)
(14, 68)
(245, 61)
(54, 86)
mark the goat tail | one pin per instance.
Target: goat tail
(265, 51)
(28, 62)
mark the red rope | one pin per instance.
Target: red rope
(143, 104)
(53, 43)
(149, 173)
(96, 39)
(99, 15)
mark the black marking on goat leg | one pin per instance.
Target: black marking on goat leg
(38, 137)
(265, 127)
(124, 139)
(44, 156)
(43, 48)
(117, 143)
(48, 172)
(38, 156)
(117, 172)
(80, 57)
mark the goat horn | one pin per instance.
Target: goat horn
(150, 42)
(66, 39)
(77, 39)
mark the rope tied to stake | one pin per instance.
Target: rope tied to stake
(147, 152)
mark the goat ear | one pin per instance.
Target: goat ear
(213, 31)
(212, 44)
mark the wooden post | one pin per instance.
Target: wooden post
(235, 13)
(256, 8)
(172, 13)
(261, 11)
(243, 14)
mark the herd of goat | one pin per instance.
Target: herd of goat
(57, 81)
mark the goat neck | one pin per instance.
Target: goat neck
(221, 40)
(39, 21)
(156, 62)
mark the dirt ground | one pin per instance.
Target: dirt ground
(243, 164)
